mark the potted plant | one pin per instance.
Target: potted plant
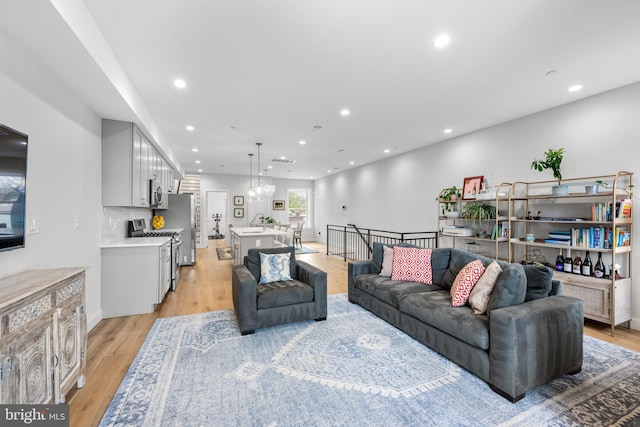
(553, 160)
(476, 212)
(448, 195)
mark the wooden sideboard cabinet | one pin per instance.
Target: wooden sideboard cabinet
(43, 335)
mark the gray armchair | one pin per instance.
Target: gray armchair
(276, 303)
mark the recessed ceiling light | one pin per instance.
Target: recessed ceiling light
(442, 40)
(302, 142)
(199, 170)
(198, 162)
(180, 83)
(387, 151)
(575, 88)
(329, 171)
(352, 163)
(311, 177)
(195, 150)
(270, 167)
(282, 158)
(189, 127)
(448, 130)
(345, 112)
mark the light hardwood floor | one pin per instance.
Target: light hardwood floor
(113, 343)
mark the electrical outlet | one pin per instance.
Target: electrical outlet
(257, 243)
(76, 223)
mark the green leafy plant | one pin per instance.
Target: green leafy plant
(450, 194)
(553, 160)
(267, 219)
(476, 212)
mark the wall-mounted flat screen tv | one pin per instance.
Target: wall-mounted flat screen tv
(13, 183)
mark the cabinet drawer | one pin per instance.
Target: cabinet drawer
(29, 312)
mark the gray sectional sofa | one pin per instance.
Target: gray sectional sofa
(530, 335)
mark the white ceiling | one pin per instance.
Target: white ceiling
(269, 70)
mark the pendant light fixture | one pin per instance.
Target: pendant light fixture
(251, 192)
(262, 190)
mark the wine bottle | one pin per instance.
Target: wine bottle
(586, 265)
(598, 269)
(559, 262)
(568, 264)
(577, 265)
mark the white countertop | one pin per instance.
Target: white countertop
(255, 231)
(130, 242)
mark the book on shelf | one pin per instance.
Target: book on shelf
(557, 242)
(601, 211)
(625, 208)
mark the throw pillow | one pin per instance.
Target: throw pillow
(481, 292)
(274, 268)
(387, 261)
(464, 282)
(411, 265)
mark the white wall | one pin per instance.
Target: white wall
(600, 135)
(63, 172)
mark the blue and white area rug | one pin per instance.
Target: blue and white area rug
(351, 370)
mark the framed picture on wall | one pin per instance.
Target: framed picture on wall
(472, 187)
(238, 212)
(238, 200)
(278, 205)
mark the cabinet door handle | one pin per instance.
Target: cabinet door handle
(55, 360)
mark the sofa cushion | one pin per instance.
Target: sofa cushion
(387, 261)
(274, 268)
(440, 258)
(388, 290)
(378, 253)
(411, 264)
(278, 294)
(481, 292)
(434, 308)
(465, 281)
(510, 289)
(539, 279)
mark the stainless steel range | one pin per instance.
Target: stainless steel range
(136, 228)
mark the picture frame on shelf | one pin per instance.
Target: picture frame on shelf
(238, 200)
(471, 187)
(278, 205)
(238, 212)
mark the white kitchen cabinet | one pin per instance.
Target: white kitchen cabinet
(43, 335)
(129, 161)
(135, 276)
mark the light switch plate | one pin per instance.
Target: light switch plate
(33, 225)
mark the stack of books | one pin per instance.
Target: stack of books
(559, 238)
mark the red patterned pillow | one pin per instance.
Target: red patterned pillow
(465, 280)
(411, 264)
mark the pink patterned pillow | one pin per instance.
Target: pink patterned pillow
(465, 280)
(412, 265)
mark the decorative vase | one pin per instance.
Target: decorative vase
(560, 190)
(591, 189)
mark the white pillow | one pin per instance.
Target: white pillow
(274, 267)
(481, 292)
(387, 261)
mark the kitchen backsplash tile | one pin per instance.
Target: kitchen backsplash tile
(114, 220)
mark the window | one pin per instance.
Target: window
(298, 202)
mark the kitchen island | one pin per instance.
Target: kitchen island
(245, 238)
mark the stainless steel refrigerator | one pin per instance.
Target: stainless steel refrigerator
(181, 213)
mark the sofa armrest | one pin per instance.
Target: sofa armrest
(534, 342)
(317, 279)
(355, 268)
(245, 297)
